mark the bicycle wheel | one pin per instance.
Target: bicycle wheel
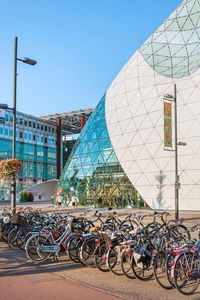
(87, 252)
(12, 238)
(114, 260)
(78, 250)
(169, 264)
(160, 270)
(143, 269)
(179, 233)
(185, 271)
(72, 249)
(21, 238)
(33, 250)
(5, 231)
(126, 265)
(100, 257)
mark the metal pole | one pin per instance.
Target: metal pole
(58, 147)
(177, 183)
(13, 183)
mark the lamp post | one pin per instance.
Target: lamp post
(32, 63)
(5, 106)
(177, 178)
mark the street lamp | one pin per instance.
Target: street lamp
(177, 177)
(28, 61)
(5, 106)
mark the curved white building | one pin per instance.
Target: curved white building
(134, 120)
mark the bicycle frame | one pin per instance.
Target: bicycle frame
(56, 243)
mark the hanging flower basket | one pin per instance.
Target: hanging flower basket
(9, 168)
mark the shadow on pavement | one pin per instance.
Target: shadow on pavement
(15, 263)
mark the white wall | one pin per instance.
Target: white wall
(46, 189)
(135, 121)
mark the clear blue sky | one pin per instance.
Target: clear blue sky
(80, 46)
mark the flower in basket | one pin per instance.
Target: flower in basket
(9, 168)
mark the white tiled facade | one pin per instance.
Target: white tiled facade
(135, 121)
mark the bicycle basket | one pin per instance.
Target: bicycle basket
(18, 220)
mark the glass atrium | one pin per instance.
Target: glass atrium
(93, 173)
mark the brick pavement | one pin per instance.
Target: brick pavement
(50, 280)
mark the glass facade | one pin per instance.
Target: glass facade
(93, 172)
(173, 50)
(38, 158)
(127, 149)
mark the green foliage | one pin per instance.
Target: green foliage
(24, 196)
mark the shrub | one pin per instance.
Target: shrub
(24, 196)
(30, 197)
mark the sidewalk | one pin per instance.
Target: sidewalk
(21, 279)
(65, 280)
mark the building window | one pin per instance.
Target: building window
(1, 130)
(21, 135)
(21, 121)
(38, 126)
(6, 117)
(11, 132)
(25, 122)
(17, 133)
(49, 141)
(29, 137)
(49, 129)
(17, 120)
(41, 127)
(33, 124)
(25, 135)
(42, 139)
(45, 128)
(33, 137)
(38, 139)
(6, 131)
(45, 140)
(52, 129)
(11, 118)
(29, 123)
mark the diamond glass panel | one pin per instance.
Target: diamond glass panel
(93, 172)
(169, 48)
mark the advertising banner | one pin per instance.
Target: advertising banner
(59, 191)
(168, 124)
